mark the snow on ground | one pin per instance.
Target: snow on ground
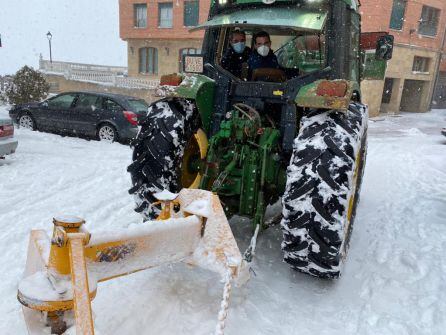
(394, 279)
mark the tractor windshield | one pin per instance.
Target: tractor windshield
(297, 53)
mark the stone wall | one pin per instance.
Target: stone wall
(400, 68)
(372, 91)
(415, 87)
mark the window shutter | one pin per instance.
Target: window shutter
(143, 60)
(191, 13)
(398, 11)
(429, 21)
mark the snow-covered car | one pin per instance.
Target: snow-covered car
(8, 144)
(443, 131)
(105, 116)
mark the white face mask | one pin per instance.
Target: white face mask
(263, 50)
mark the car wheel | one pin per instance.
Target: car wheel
(107, 133)
(27, 121)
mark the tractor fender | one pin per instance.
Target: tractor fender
(197, 87)
(328, 94)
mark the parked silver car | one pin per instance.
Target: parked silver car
(8, 143)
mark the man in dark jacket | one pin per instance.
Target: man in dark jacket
(262, 56)
(237, 54)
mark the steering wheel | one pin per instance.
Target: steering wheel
(269, 74)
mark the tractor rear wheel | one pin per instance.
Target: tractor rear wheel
(165, 153)
(322, 191)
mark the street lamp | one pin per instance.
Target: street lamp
(49, 36)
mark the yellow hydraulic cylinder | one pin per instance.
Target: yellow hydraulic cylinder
(59, 253)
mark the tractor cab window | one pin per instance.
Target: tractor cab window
(305, 52)
(294, 53)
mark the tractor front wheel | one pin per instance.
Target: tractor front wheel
(322, 191)
(165, 153)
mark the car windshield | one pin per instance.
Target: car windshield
(138, 106)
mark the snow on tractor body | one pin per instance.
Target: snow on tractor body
(297, 132)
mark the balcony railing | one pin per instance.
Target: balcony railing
(105, 75)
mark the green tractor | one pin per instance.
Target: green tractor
(297, 132)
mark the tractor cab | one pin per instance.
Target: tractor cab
(299, 32)
(317, 47)
(297, 36)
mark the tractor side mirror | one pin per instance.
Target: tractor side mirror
(193, 63)
(384, 47)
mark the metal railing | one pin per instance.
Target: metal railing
(106, 75)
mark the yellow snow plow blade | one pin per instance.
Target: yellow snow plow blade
(62, 273)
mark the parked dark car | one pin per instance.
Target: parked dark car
(8, 143)
(109, 117)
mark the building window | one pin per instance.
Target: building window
(429, 21)
(165, 14)
(421, 64)
(140, 15)
(387, 92)
(186, 51)
(398, 11)
(148, 60)
(191, 13)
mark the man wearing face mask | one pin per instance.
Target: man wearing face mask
(262, 56)
(237, 54)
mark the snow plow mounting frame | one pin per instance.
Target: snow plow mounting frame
(62, 273)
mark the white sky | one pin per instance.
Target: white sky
(84, 31)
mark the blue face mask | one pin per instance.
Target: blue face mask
(238, 47)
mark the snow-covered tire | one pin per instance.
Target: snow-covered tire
(322, 190)
(158, 151)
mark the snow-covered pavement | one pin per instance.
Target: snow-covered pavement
(394, 281)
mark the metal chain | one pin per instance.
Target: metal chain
(251, 250)
(224, 306)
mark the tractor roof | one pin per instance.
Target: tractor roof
(222, 5)
(299, 18)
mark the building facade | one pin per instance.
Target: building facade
(157, 33)
(419, 29)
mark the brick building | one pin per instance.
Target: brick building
(419, 30)
(157, 33)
